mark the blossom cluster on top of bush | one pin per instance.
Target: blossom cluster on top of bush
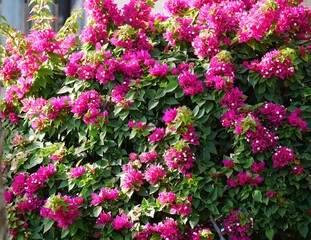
(189, 125)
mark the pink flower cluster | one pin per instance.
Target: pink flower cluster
(104, 194)
(121, 222)
(283, 156)
(88, 105)
(103, 218)
(154, 173)
(237, 225)
(254, 23)
(295, 21)
(137, 125)
(7, 111)
(220, 74)
(167, 230)
(170, 115)
(183, 209)
(32, 183)
(261, 139)
(206, 43)
(295, 120)
(101, 13)
(233, 99)
(43, 41)
(166, 197)
(189, 82)
(118, 94)
(157, 135)
(132, 179)
(169, 199)
(199, 233)
(19, 140)
(62, 209)
(258, 167)
(180, 121)
(181, 160)
(158, 70)
(29, 203)
(176, 7)
(228, 163)
(273, 63)
(215, 20)
(256, 134)
(148, 156)
(243, 178)
(43, 112)
(190, 136)
(274, 113)
(77, 172)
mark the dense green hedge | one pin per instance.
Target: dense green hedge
(194, 125)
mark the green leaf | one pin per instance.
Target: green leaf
(152, 104)
(153, 188)
(211, 147)
(65, 232)
(303, 229)
(194, 220)
(257, 196)
(160, 93)
(97, 210)
(65, 89)
(282, 211)
(270, 234)
(155, 236)
(171, 86)
(171, 101)
(48, 224)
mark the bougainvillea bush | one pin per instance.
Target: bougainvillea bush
(189, 125)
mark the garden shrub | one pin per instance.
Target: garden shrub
(190, 125)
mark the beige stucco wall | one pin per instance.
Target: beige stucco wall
(307, 3)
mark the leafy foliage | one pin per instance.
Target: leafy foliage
(157, 127)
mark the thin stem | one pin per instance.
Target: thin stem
(216, 227)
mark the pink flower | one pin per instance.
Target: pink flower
(190, 84)
(77, 172)
(244, 178)
(157, 135)
(55, 157)
(105, 193)
(170, 115)
(270, 194)
(19, 184)
(166, 197)
(228, 163)
(154, 173)
(183, 209)
(131, 178)
(283, 156)
(148, 156)
(8, 196)
(233, 99)
(133, 156)
(121, 222)
(297, 170)
(237, 225)
(158, 70)
(258, 167)
(274, 112)
(295, 120)
(190, 136)
(103, 218)
(65, 209)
